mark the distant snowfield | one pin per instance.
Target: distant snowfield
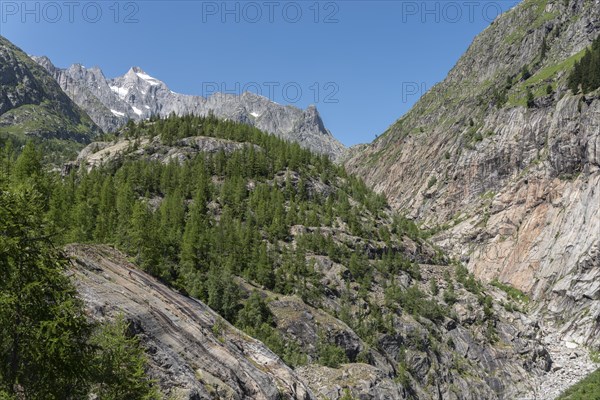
(117, 113)
(136, 110)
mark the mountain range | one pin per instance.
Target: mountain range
(137, 96)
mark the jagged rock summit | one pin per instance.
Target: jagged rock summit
(137, 96)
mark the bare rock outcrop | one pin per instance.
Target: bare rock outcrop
(152, 149)
(193, 352)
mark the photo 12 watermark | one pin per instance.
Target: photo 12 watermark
(53, 12)
(254, 12)
(451, 11)
(285, 92)
(412, 91)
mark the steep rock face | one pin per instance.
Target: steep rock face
(514, 190)
(193, 353)
(136, 95)
(31, 103)
(541, 231)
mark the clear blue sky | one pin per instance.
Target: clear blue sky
(370, 56)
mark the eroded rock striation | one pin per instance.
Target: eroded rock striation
(193, 353)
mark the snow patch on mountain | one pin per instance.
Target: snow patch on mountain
(120, 91)
(148, 78)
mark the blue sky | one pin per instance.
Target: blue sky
(363, 63)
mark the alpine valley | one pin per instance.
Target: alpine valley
(156, 245)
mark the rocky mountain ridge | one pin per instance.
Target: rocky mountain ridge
(170, 324)
(195, 354)
(137, 96)
(33, 105)
(502, 162)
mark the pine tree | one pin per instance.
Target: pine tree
(118, 365)
(585, 75)
(544, 49)
(124, 201)
(194, 246)
(223, 293)
(83, 221)
(143, 243)
(172, 214)
(575, 78)
(42, 324)
(255, 313)
(264, 269)
(302, 191)
(106, 212)
(277, 229)
(7, 158)
(28, 164)
(530, 99)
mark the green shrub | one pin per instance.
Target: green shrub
(513, 293)
(450, 295)
(530, 99)
(331, 355)
(431, 182)
(587, 389)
